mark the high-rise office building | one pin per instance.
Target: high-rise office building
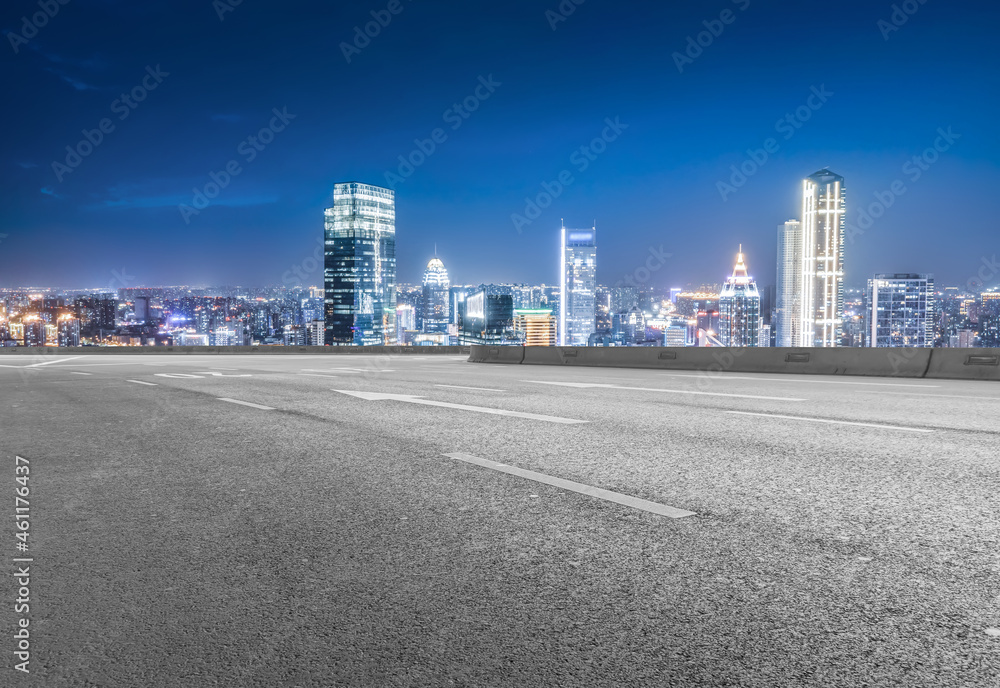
(899, 309)
(578, 286)
(359, 277)
(34, 331)
(315, 333)
(436, 302)
(675, 335)
(788, 310)
(739, 308)
(535, 326)
(823, 224)
(989, 318)
(68, 331)
(628, 328)
(97, 312)
(141, 309)
(488, 319)
(456, 301)
(406, 320)
(764, 340)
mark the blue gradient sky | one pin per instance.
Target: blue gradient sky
(655, 185)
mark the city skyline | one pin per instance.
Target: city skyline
(913, 171)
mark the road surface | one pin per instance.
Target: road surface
(423, 521)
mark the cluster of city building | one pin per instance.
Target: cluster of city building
(360, 302)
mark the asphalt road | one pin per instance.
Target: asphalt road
(845, 530)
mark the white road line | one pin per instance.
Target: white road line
(328, 377)
(600, 493)
(61, 360)
(410, 399)
(246, 403)
(76, 372)
(588, 385)
(140, 382)
(942, 396)
(832, 422)
(727, 376)
(339, 371)
(480, 389)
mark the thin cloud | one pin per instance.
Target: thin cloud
(49, 191)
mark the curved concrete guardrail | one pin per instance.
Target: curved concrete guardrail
(960, 364)
(230, 350)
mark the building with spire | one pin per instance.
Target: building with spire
(739, 308)
(436, 302)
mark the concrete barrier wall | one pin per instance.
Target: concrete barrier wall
(902, 363)
(879, 362)
(231, 350)
(965, 364)
(496, 354)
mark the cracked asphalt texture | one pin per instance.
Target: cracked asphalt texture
(184, 541)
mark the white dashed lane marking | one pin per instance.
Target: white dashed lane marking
(589, 490)
(246, 403)
(831, 422)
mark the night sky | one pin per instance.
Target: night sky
(653, 181)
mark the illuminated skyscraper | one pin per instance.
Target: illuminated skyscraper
(900, 311)
(788, 312)
(578, 286)
(436, 300)
(359, 279)
(739, 308)
(823, 223)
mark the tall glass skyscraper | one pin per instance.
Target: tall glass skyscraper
(899, 309)
(578, 286)
(436, 301)
(359, 275)
(739, 308)
(788, 310)
(823, 225)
